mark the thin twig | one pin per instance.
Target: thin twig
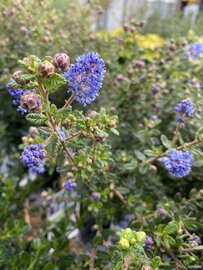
(126, 263)
(120, 196)
(94, 150)
(172, 255)
(174, 140)
(44, 93)
(69, 101)
(194, 249)
(73, 136)
(26, 212)
(92, 258)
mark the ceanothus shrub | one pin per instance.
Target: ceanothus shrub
(76, 141)
(159, 229)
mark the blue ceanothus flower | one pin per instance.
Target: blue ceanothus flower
(148, 242)
(96, 196)
(33, 157)
(16, 93)
(194, 50)
(85, 77)
(70, 185)
(184, 108)
(178, 163)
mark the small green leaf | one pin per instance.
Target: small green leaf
(53, 145)
(123, 190)
(63, 169)
(144, 168)
(171, 228)
(149, 153)
(49, 266)
(44, 131)
(155, 262)
(36, 118)
(61, 157)
(169, 241)
(114, 131)
(165, 141)
(54, 82)
(139, 155)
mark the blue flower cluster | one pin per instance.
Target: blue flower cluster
(85, 77)
(96, 196)
(195, 240)
(148, 242)
(178, 163)
(16, 93)
(70, 185)
(33, 157)
(194, 50)
(184, 108)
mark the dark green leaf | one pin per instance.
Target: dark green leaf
(165, 141)
(36, 118)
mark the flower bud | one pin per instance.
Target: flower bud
(133, 241)
(125, 27)
(100, 138)
(62, 61)
(92, 114)
(30, 140)
(161, 212)
(44, 194)
(92, 37)
(123, 125)
(26, 60)
(5, 71)
(112, 124)
(155, 89)
(201, 192)
(127, 231)
(18, 79)
(152, 168)
(140, 236)
(138, 64)
(99, 10)
(132, 28)
(123, 243)
(85, 134)
(96, 196)
(195, 240)
(113, 109)
(172, 47)
(89, 161)
(148, 242)
(33, 131)
(70, 175)
(183, 43)
(70, 185)
(23, 30)
(120, 77)
(46, 69)
(30, 102)
(24, 139)
(142, 24)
